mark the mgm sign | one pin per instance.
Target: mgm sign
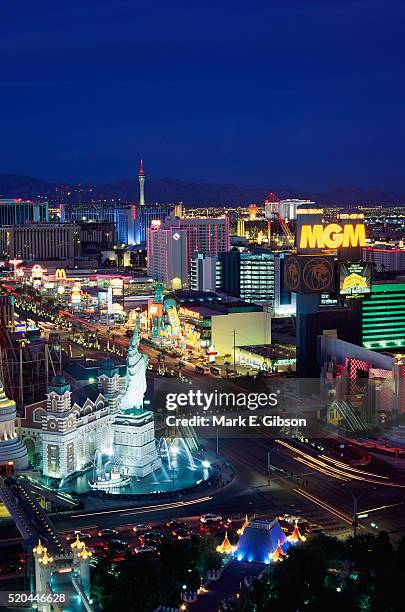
(332, 236)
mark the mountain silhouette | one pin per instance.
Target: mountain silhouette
(193, 194)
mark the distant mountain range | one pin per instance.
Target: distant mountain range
(168, 190)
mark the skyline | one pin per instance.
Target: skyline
(250, 97)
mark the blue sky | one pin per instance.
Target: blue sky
(292, 93)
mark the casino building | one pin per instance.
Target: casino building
(383, 317)
(13, 454)
(322, 249)
(61, 433)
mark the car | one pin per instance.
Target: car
(155, 535)
(142, 528)
(182, 534)
(172, 525)
(118, 546)
(215, 371)
(144, 549)
(288, 518)
(235, 518)
(82, 535)
(314, 529)
(202, 369)
(210, 518)
(107, 532)
(146, 540)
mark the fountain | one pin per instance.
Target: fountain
(136, 456)
(163, 450)
(106, 480)
(98, 465)
(175, 450)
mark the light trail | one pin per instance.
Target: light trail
(323, 471)
(167, 506)
(380, 508)
(351, 469)
(316, 464)
(87, 527)
(319, 502)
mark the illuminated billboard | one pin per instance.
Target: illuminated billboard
(332, 236)
(76, 294)
(309, 273)
(354, 279)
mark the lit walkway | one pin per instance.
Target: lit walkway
(227, 586)
(32, 521)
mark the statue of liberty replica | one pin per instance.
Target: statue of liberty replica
(134, 427)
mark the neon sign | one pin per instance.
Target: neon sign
(332, 236)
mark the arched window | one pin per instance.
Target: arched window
(38, 414)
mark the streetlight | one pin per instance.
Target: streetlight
(355, 503)
(269, 463)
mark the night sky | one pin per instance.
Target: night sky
(293, 93)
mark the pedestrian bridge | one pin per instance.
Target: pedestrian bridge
(60, 570)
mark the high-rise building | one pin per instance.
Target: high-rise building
(41, 242)
(383, 317)
(167, 255)
(15, 211)
(286, 208)
(144, 217)
(249, 276)
(93, 211)
(97, 235)
(122, 215)
(209, 236)
(205, 273)
(7, 319)
(385, 259)
(173, 243)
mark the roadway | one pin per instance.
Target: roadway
(298, 489)
(305, 484)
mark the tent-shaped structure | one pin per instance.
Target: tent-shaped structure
(296, 535)
(259, 541)
(278, 554)
(226, 547)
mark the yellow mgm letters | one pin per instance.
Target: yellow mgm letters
(332, 236)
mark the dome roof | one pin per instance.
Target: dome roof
(108, 363)
(59, 380)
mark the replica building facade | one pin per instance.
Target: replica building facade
(61, 434)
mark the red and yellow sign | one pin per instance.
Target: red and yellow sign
(332, 236)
